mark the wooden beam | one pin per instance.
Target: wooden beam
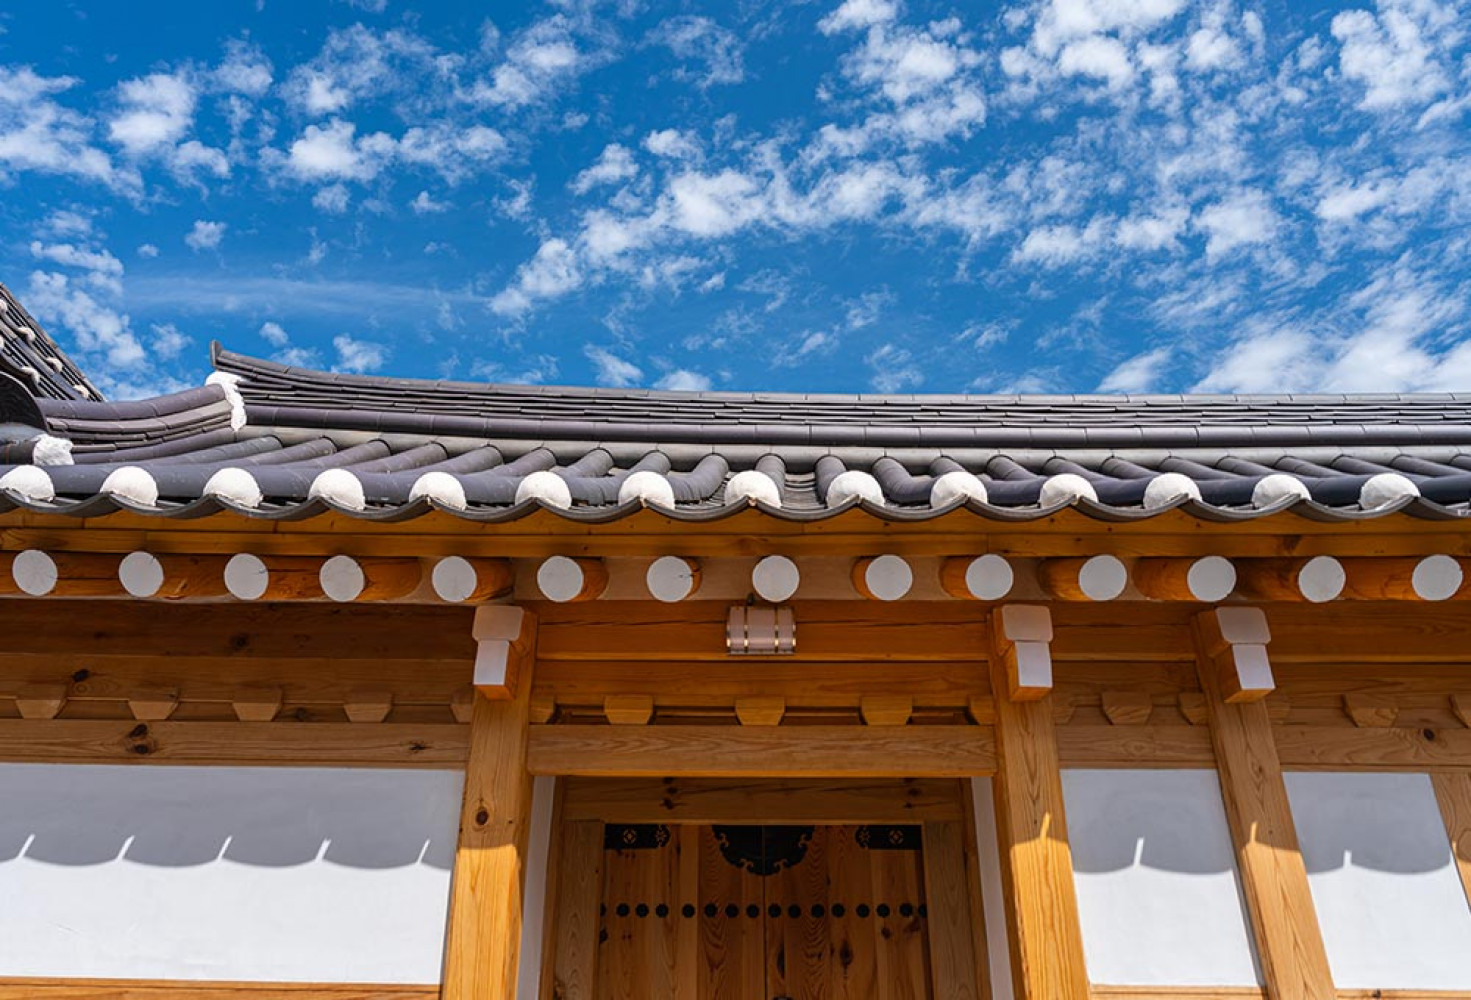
(568, 581)
(250, 577)
(1037, 869)
(1453, 792)
(1274, 881)
(1208, 579)
(882, 578)
(38, 573)
(482, 949)
(1079, 578)
(1403, 578)
(1315, 579)
(672, 579)
(761, 751)
(810, 801)
(292, 744)
(145, 575)
(370, 578)
(1348, 748)
(472, 581)
(979, 578)
(1134, 746)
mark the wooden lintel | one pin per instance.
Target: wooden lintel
(761, 710)
(295, 744)
(27, 988)
(816, 801)
(1021, 636)
(762, 751)
(886, 709)
(1127, 708)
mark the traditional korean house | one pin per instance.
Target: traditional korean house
(333, 687)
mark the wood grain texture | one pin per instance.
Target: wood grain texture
(758, 751)
(147, 989)
(1325, 748)
(1453, 792)
(1294, 963)
(484, 934)
(579, 891)
(804, 802)
(1105, 746)
(955, 931)
(1037, 871)
(291, 744)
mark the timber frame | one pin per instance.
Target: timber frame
(637, 710)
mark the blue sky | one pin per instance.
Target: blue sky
(1053, 196)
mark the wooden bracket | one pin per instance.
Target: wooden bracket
(886, 709)
(1022, 637)
(1461, 706)
(981, 709)
(629, 709)
(1127, 708)
(40, 701)
(761, 710)
(1370, 710)
(505, 635)
(368, 706)
(259, 704)
(153, 704)
(1234, 642)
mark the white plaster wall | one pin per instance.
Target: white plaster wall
(993, 901)
(288, 874)
(1389, 900)
(1158, 893)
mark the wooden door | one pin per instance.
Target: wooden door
(763, 912)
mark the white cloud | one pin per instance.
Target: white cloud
(684, 380)
(332, 199)
(614, 164)
(672, 144)
(358, 356)
(100, 331)
(1138, 374)
(147, 250)
(205, 235)
(356, 64)
(168, 341)
(423, 204)
(612, 370)
(553, 271)
(274, 334)
(244, 70)
(540, 58)
(701, 40)
(334, 152)
(453, 151)
(69, 255)
(1396, 53)
(853, 14)
(1243, 219)
(37, 133)
(893, 369)
(155, 110)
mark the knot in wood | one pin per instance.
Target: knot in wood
(482, 816)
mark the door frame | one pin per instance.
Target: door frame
(959, 965)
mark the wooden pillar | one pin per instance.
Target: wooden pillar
(1041, 901)
(1274, 880)
(482, 948)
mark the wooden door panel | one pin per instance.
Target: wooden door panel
(688, 914)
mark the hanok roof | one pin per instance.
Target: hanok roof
(31, 358)
(275, 441)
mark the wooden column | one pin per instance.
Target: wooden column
(1289, 944)
(482, 948)
(1453, 791)
(1037, 870)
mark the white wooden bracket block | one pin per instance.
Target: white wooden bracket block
(1234, 640)
(1022, 637)
(503, 637)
